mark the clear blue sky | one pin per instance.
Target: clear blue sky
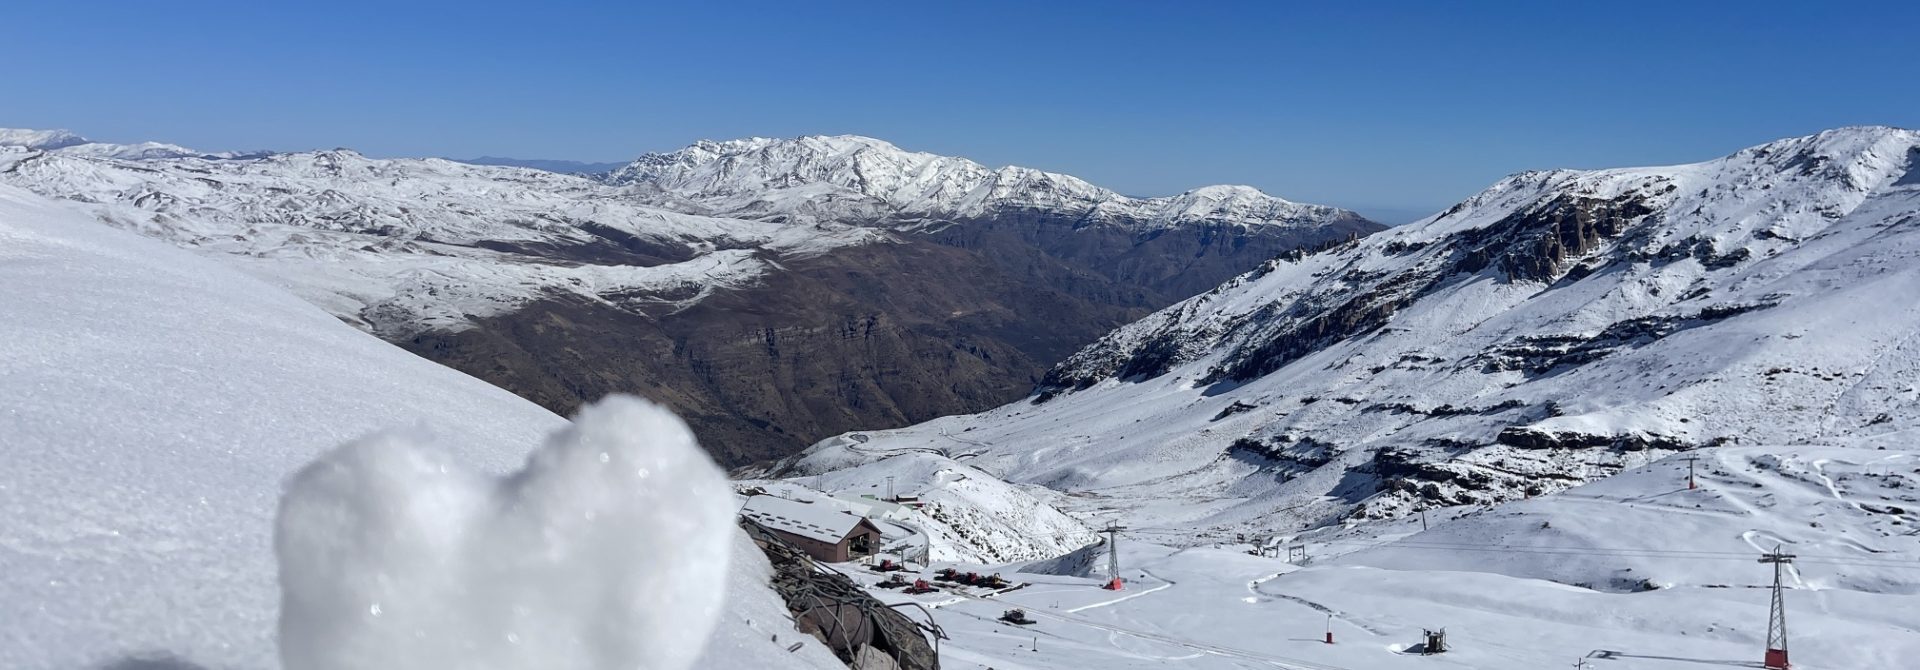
(1376, 105)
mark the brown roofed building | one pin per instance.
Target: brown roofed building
(826, 533)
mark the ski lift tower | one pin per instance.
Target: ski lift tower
(1776, 658)
(1114, 581)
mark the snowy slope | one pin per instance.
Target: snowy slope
(964, 514)
(1632, 572)
(848, 177)
(1531, 338)
(155, 401)
(1848, 513)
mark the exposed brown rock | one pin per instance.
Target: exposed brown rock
(868, 337)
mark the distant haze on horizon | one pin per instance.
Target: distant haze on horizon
(1393, 109)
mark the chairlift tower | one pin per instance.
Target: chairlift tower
(1776, 658)
(1114, 581)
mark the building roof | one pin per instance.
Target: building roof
(825, 523)
(869, 507)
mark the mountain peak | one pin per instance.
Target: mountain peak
(68, 142)
(1228, 192)
(847, 177)
(43, 140)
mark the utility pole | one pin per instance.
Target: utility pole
(1776, 658)
(1114, 582)
(1423, 518)
(1690, 460)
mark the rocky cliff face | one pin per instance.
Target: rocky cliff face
(771, 291)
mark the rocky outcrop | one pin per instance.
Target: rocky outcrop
(827, 605)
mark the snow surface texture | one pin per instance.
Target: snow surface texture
(1634, 572)
(1533, 337)
(1850, 514)
(155, 401)
(607, 551)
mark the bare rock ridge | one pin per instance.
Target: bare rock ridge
(771, 291)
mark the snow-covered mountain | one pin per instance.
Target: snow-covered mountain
(402, 246)
(550, 165)
(848, 177)
(563, 288)
(68, 143)
(1543, 333)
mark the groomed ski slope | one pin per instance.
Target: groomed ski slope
(151, 404)
(1505, 582)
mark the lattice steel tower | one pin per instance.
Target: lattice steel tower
(1777, 616)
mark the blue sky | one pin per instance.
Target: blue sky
(1383, 106)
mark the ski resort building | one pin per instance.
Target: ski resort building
(827, 533)
(874, 508)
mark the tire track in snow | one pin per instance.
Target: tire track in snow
(1338, 615)
(1820, 470)
(1282, 662)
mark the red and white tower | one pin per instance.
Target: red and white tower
(1777, 616)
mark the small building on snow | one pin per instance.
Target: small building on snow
(874, 508)
(825, 532)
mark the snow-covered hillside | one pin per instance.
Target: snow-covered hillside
(401, 246)
(848, 177)
(1533, 337)
(963, 514)
(1635, 572)
(1849, 514)
(155, 401)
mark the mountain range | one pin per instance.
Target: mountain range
(1560, 418)
(773, 292)
(1554, 329)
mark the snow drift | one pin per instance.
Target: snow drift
(607, 551)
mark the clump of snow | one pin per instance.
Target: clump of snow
(609, 550)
